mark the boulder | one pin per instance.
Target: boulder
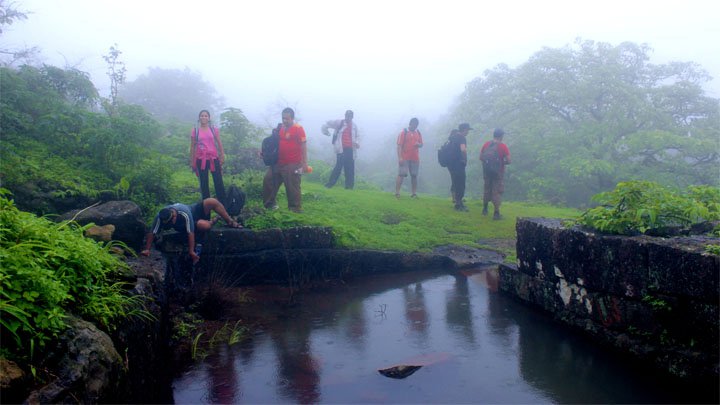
(89, 369)
(124, 215)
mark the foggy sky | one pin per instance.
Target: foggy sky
(386, 60)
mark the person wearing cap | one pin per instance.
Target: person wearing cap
(409, 143)
(345, 143)
(188, 219)
(493, 177)
(456, 167)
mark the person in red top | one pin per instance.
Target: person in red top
(409, 143)
(494, 173)
(292, 162)
(345, 143)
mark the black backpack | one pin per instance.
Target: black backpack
(491, 161)
(445, 153)
(271, 147)
(234, 201)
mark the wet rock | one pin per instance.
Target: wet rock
(124, 215)
(12, 382)
(399, 372)
(465, 256)
(655, 298)
(89, 369)
(102, 233)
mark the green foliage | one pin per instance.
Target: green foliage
(638, 206)
(48, 271)
(713, 249)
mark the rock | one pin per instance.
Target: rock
(399, 372)
(89, 369)
(102, 233)
(124, 215)
(12, 381)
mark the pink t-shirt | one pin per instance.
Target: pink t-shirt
(205, 149)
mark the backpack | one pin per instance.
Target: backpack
(445, 153)
(234, 201)
(271, 147)
(491, 161)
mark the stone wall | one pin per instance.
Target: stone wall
(655, 298)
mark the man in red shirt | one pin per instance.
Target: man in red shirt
(494, 156)
(408, 144)
(292, 162)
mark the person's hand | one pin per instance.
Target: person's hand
(357, 146)
(194, 257)
(418, 145)
(145, 252)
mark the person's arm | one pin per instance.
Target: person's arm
(303, 146)
(193, 145)
(191, 247)
(221, 151)
(463, 151)
(325, 128)
(356, 142)
(400, 142)
(419, 143)
(148, 244)
(507, 155)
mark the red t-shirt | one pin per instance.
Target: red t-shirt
(408, 141)
(291, 141)
(502, 149)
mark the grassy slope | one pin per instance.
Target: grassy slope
(377, 220)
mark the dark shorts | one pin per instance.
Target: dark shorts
(198, 212)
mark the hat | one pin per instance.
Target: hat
(464, 126)
(164, 215)
(498, 133)
(349, 113)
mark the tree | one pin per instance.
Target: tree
(581, 119)
(9, 15)
(116, 73)
(171, 94)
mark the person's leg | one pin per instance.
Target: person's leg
(292, 182)
(402, 173)
(218, 182)
(487, 192)
(414, 168)
(271, 185)
(349, 167)
(335, 174)
(460, 187)
(498, 188)
(204, 182)
(452, 185)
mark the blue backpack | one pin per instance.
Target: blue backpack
(445, 153)
(270, 149)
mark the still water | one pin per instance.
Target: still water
(474, 345)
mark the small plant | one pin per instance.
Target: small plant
(638, 206)
(658, 304)
(713, 249)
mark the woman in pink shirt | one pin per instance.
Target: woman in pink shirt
(207, 154)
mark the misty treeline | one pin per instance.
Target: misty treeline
(578, 119)
(582, 118)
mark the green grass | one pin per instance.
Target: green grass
(371, 219)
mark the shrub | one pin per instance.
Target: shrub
(639, 206)
(49, 270)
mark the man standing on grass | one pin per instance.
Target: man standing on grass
(345, 143)
(457, 164)
(494, 156)
(409, 143)
(291, 164)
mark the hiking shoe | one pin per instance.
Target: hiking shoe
(485, 212)
(414, 196)
(497, 216)
(397, 195)
(461, 208)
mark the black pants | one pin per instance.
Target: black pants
(457, 187)
(217, 181)
(345, 160)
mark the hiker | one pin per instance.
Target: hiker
(345, 143)
(457, 164)
(291, 164)
(409, 143)
(207, 154)
(187, 219)
(494, 156)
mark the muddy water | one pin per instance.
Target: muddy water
(472, 344)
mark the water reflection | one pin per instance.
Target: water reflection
(474, 346)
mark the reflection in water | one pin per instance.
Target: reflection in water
(474, 346)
